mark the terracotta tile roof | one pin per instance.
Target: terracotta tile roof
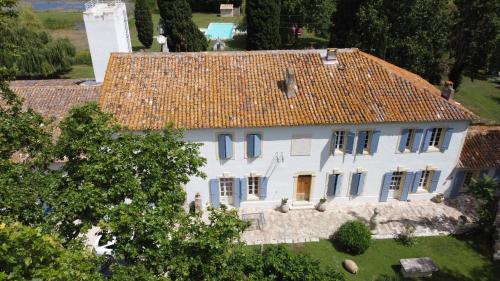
(54, 98)
(481, 148)
(245, 89)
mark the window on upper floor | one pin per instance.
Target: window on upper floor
(338, 141)
(254, 145)
(225, 146)
(254, 186)
(367, 142)
(409, 139)
(436, 137)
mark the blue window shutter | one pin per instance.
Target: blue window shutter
(214, 193)
(244, 189)
(222, 147)
(236, 192)
(361, 184)
(229, 146)
(339, 184)
(435, 179)
(384, 191)
(406, 186)
(497, 174)
(374, 143)
(447, 139)
(402, 141)
(250, 146)
(427, 139)
(355, 183)
(361, 142)
(263, 188)
(350, 142)
(416, 181)
(457, 184)
(417, 139)
(334, 137)
(332, 185)
(256, 144)
(483, 174)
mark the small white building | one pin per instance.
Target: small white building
(302, 125)
(227, 10)
(106, 25)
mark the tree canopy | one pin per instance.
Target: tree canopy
(474, 37)
(182, 33)
(30, 52)
(143, 22)
(263, 25)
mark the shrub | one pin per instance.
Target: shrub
(407, 238)
(83, 57)
(354, 237)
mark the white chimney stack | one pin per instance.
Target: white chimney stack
(106, 24)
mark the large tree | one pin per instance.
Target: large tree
(143, 23)
(27, 253)
(343, 34)
(263, 24)
(296, 14)
(30, 52)
(473, 36)
(182, 33)
(410, 33)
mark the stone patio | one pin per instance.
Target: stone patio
(297, 226)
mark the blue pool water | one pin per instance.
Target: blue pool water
(223, 31)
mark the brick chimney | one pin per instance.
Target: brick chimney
(448, 92)
(290, 82)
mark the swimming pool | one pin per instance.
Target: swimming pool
(217, 30)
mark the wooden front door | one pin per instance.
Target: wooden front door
(303, 188)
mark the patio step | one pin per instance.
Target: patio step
(301, 205)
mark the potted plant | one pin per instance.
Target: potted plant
(284, 205)
(321, 205)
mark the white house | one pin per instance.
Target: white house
(301, 125)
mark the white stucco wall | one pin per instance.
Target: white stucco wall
(107, 31)
(277, 141)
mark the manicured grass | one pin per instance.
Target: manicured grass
(482, 97)
(458, 258)
(80, 71)
(59, 19)
(202, 20)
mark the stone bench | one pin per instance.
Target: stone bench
(418, 267)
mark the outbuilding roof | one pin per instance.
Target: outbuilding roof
(247, 89)
(481, 149)
(54, 98)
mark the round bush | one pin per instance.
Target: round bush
(354, 237)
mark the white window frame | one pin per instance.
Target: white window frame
(367, 141)
(437, 136)
(397, 179)
(254, 185)
(224, 191)
(425, 181)
(340, 136)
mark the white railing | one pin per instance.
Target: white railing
(92, 3)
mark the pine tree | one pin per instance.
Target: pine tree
(263, 25)
(144, 23)
(182, 33)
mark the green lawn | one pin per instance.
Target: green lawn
(482, 97)
(80, 71)
(458, 259)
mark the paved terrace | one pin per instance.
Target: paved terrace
(297, 226)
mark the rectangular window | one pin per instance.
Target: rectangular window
(425, 180)
(409, 140)
(253, 186)
(226, 187)
(435, 139)
(338, 141)
(396, 180)
(366, 140)
(254, 145)
(225, 146)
